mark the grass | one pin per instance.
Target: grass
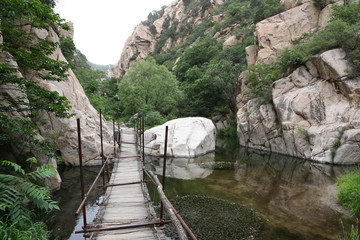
(349, 191)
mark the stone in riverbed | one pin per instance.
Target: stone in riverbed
(188, 137)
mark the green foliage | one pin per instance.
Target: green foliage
(198, 55)
(19, 194)
(51, 3)
(349, 191)
(322, 3)
(67, 46)
(24, 229)
(260, 78)
(147, 83)
(354, 234)
(342, 31)
(152, 117)
(267, 9)
(230, 132)
(80, 61)
(31, 55)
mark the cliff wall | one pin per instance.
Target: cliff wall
(315, 109)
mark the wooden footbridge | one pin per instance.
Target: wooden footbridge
(126, 211)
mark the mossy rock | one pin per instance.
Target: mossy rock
(218, 165)
(212, 218)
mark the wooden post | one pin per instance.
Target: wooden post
(81, 172)
(102, 154)
(164, 171)
(114, 138)
(143, 146)
(118, 131)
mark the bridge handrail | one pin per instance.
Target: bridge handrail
(91, 188)
(175, 217)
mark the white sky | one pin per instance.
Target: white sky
(101, 27)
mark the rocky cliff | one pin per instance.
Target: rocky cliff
(60, 131)
(315, 109)
(147, 35)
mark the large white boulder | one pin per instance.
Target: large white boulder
(187, 137)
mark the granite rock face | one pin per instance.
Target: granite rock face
(143, 40)
(59, 131)
(315, 109)
(314, 115)
(276, 33)
(65, 130)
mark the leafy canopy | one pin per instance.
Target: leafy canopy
(147, 83)
(18, 19)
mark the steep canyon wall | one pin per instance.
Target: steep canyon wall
(315, 110)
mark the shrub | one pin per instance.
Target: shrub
(342, 31)
(67, 46)
(349, 191)
(321, 3)
(260, 78)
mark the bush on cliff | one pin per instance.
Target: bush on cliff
(342, 32)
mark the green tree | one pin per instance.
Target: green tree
(151, 84)
(30, 54)
(67, 46)
(21, 99)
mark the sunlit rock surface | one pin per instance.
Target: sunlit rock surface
(314, 115)
(59, 131)
(187, 137)
(276, 33)
(63, 132)
(142, 42)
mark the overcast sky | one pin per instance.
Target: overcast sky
(102, 26)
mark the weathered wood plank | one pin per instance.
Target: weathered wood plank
(126, 204)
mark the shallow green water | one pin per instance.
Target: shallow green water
(293, 196)
(296, 198)
(64, 223)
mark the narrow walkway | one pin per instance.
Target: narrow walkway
(126, 204)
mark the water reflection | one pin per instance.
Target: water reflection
(181, 168)
(297, 198)
(64, 223)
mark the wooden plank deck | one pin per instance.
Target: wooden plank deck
(126, 204)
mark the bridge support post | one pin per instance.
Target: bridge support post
(164, 171)
(143, 146)
(81, 173)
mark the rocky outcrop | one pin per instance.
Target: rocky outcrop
(315, 109)
(143, 40)
(187, 137)
(138, 46)
(314, 115)
(276, 33)
(63, 132)
(68, 33)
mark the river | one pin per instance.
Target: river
(295, 199)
